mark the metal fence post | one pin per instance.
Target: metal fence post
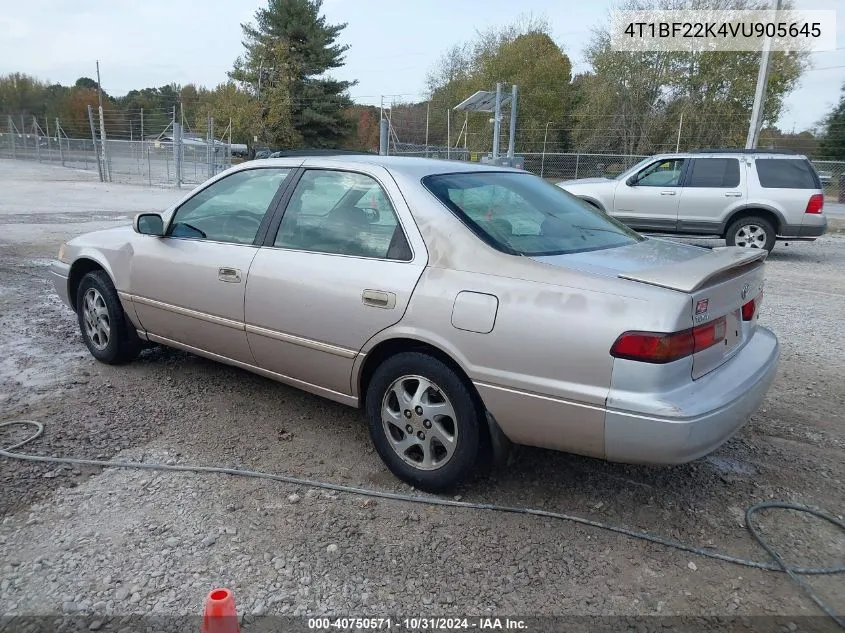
(59, 141)
(37, 139)
(106, 169)
(12, 135)
(177, 152)
(47, 132)
(577, 156)
(94, 143)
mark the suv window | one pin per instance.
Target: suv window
(521, 214)
(722, 173)
(231, 209)
(344, 213)
(786, 173)
(663, 173)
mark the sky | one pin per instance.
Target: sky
(393, 44)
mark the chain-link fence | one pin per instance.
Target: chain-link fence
(558, 166)
(162, 159)
(832, 175)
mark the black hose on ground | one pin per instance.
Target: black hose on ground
(795, 573)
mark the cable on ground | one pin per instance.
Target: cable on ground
(780, 565)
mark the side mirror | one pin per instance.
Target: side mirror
(148, 224)
(632, 181)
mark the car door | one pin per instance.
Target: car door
(340, 267)
(648, 200)
(713, 187)
(188, 286)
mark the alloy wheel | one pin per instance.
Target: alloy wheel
(751, 236)
(419, 422)
(96, 319)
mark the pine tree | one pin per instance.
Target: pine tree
(289, 50)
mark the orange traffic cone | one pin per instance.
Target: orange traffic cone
(220, 615)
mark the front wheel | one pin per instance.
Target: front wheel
(108, 334)
(424, 422)
(751, 232)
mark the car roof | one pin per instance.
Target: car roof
(757, 153)
(413, 167)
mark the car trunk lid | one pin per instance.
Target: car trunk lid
(718, 281)
(719, 284)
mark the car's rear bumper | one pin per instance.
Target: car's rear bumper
(698, 419)
(59, 272)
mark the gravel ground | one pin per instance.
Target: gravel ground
(84, 540)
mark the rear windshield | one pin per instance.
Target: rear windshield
(524, 215)
(786, 173)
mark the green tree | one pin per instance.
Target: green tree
(86, 82)
(289, 50)
(832, 146)
(523, 54)
(634, 101)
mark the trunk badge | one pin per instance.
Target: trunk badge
(744, 292)
(701, 306)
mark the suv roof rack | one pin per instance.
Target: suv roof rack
(720, 150)
(321, 152)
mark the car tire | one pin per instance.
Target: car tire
(424, 421)
(109, 335)
(751, 232)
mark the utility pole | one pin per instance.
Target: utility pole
(760, 92)
(680, 125)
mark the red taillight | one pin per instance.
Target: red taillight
(816, 204)
(750, 309)
(654, 347)
(709, 334)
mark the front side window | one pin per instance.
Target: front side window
(663, 173)
(230, 210)
(524, 215)
(343, 213)
(722, 173)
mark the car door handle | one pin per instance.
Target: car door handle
(379, 299)
(733, 194)
(667, 193)
(231, 275)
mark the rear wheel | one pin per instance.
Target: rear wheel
(107, 332)
(423, 421)
(751, 232)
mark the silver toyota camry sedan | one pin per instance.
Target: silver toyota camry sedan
(461, 307)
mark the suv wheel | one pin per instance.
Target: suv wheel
(423, 421)
(751, 232)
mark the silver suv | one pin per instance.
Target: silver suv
(749, 197)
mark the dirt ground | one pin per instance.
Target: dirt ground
(83, 540)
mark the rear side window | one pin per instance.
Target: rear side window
(520, 214)
(785, 173)
(722, 173)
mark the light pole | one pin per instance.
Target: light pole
(543, 160)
